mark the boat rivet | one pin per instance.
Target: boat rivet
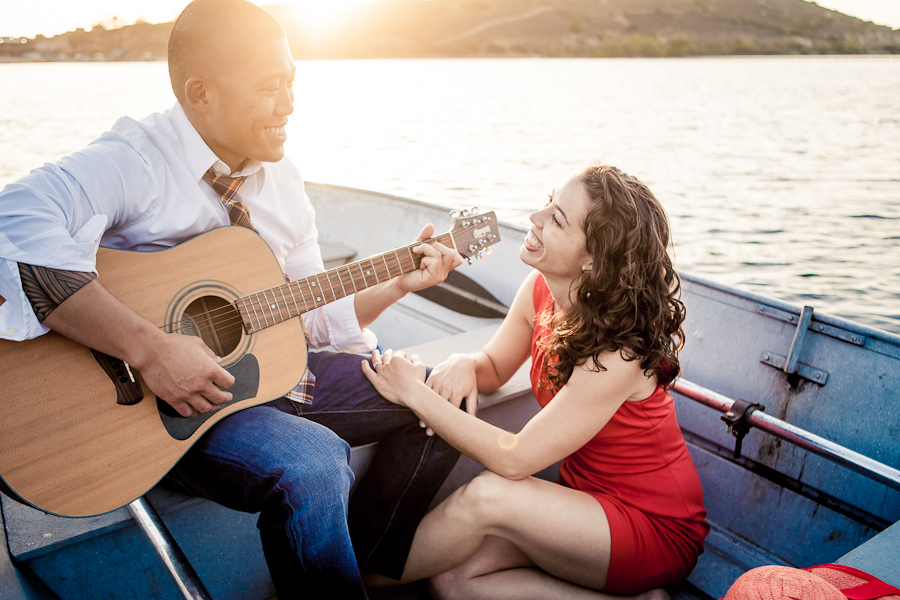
(853, 339)
(766, 357)
(817, 375)
(821, 328)
(761, 309)
(791, 319)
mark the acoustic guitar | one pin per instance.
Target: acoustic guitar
(80, 432)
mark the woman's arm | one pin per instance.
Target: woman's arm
(467, 375)
(580, 409)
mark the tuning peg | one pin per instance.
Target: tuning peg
(454, 214)
(469, 259)
(488, 250)
(473, 248)
(464, 213)
(473, 210)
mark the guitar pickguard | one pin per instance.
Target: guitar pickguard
(246, 385)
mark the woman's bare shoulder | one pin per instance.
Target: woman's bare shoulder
(613, 374)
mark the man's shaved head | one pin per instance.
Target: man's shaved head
(210, 33)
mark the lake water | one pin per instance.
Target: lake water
(781, 175)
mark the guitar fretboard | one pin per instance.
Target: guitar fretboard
(278, 304)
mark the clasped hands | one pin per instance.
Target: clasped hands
(396, 375)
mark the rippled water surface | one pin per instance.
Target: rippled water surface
(780, 175)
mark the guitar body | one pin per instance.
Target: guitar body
(67, 447)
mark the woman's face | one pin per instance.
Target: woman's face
(555, 246)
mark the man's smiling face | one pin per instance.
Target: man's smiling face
(250, 97)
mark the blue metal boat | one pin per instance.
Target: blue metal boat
(810, 399)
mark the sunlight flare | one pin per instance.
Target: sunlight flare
(322, 13)
(508, 440)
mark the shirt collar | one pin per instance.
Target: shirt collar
(198, 156)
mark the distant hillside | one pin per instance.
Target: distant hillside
(476, 28)
(132, 42)
(412, 28)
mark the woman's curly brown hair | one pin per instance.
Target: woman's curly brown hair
(630, 299)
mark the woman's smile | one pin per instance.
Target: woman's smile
(532, 242)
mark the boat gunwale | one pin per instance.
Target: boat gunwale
(783, 305)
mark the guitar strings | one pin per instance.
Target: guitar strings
(226, 319)
(379, 270)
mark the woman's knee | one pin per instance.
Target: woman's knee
(486, 499)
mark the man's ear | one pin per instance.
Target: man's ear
(196, 92)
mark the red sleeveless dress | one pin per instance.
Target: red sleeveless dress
(639, 470)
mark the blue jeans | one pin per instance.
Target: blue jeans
(289, 462)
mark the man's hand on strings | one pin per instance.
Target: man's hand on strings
(184, 372)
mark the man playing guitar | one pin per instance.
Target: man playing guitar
(153, 184)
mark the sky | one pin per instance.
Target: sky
(51, 17)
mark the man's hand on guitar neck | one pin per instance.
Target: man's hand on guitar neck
(437, 261)
(180, 369)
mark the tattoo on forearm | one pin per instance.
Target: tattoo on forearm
(48, 288)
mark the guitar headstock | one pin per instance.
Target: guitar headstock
(474, 233)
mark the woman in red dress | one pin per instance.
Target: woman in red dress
(601, 319)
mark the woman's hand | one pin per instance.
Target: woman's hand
(394, 375)
(455, 380)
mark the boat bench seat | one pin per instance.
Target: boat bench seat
(85, 557)
(878, 556)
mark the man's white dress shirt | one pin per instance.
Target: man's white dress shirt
(140, 187)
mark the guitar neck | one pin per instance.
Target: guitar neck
(290, 300)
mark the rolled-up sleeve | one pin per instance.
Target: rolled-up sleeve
(45, 222)
(336, 323)
(55, 217)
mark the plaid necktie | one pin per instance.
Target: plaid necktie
(228, 189)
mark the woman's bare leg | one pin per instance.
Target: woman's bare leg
(562, 531)
(501, 570)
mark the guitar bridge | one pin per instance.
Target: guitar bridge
(128, 390)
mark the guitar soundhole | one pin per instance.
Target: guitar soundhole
(214, 320)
